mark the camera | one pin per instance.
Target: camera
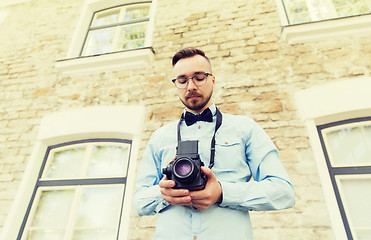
(185, 170)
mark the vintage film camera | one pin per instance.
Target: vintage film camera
(185, 170)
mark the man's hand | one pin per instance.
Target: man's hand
(174, 196)
(211, 194)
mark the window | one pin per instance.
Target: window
(347, 149)
(116, 29)
(338, 119)
(111, 35)
(303, 11)
(308, 20)
(80, 177)
(80, 191)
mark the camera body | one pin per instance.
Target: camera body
(185, 170)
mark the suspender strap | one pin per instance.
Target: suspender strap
(217, 126)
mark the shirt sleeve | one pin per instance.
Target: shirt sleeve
(148, 198)
(270, 188)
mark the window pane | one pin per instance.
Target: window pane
(106, 17)
(363, 234)
(53, 208)
(100, 41)
(94, 234)
(100, 207)
(66, 163)
(132, 36)
(297, 11)
(117, 29)
(350, 146)
(351, 7)
(356, 193)
(302, 11)
(137, 13)
(46, 234)
(108, 161)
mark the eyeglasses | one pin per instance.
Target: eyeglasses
(198, 79)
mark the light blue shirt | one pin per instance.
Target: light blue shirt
(247, 165)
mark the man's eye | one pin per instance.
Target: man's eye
(199, 77)
(181, 80)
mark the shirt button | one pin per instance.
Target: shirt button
(195, 237)
(199, 126)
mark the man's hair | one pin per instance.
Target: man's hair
(187, 53)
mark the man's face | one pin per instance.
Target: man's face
(195, 98)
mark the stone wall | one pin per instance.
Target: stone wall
(257, 74)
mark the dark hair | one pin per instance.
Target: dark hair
(187, 53)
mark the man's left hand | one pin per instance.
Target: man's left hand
(211, 194)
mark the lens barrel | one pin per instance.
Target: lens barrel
(184, 170)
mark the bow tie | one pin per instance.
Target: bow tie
(191, 118)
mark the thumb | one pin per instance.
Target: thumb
(208, 172)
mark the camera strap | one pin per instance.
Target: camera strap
(217, 125)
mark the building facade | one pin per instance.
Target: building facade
(83, 84)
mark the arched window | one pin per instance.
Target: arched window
(80, 178)
(347, 149)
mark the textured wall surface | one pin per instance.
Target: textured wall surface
(257, 74)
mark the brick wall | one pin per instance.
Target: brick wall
(256, 73)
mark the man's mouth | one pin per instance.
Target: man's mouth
(193, 97)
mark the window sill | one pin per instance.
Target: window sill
(314, 31)
(128, 59)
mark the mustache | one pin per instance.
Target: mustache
(193, 94)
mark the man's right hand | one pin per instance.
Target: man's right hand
(174, 196)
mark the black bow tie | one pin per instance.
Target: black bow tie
(191, 118)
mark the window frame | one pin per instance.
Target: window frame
(43, 183)
(74, 63)
(110, 122)
(342, 171)
(322, 29)
(123, 23)
(323, 104)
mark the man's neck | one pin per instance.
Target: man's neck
(201, 110)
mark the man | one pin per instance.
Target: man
(243, 151)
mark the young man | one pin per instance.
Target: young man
(242, 151)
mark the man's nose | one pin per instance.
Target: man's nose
(191, 85)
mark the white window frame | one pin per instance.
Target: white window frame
(345, 203)
(117, 26)
(118, 122)
(343, 171)
(336, 101)
(325, 29)
(73, 63)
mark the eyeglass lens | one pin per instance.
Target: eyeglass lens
(198, 79)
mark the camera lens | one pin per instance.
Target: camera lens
(183, 168)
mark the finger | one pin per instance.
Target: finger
(208, 172)
(196, 195)
(199, 206)
(186, 200)
(165, 183)
(170, 161)
(174, 192)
